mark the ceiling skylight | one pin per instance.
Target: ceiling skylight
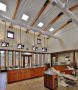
(2, 7)
(25, 17)
(51, 29)
(40, 24)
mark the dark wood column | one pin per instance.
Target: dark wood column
(23, 61)
(51, 60)
(74, 60)
(56, 57)
(28, 59)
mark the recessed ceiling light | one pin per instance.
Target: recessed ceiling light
(25, 17)
(51, 29)
(2, 7)
(40, 24)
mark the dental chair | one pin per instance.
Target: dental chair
(65, 79)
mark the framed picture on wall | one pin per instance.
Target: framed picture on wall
(10, 34)
(38, 41)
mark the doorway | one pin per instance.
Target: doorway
(27, 60)
(54, 58)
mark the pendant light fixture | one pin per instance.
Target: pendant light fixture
(34, 47)
(4, 43)
(20, 46)
(44, 49)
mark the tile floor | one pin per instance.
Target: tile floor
(3, 81)
(32, 84)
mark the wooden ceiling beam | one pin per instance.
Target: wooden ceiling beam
(74, 7)
(68, 22)
(71, 9)
(40, 12)
(52, 22)
(57, 18)
(15, 12)
(16, 9)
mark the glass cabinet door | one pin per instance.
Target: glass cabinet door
(10, 58)
(17, 59)
(2, 59)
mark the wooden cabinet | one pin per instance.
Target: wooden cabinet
(22, 74)
(50, 81)
(40, 71)
(63, 68)
(70, 72)
(13, 76)
(25, 73)
(36, 72)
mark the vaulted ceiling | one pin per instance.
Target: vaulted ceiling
(39, 11)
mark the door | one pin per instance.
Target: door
(27, 60)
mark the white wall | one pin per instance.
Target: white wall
(47, 58)
(27, 39)
(68, 39)
(61, 57)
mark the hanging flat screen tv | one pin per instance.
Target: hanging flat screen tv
(34, 48)
(20, 46)
(44, 49)
(4, 44)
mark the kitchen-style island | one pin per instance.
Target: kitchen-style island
(18, 74)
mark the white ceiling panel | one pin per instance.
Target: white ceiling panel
(30, 8)
(11, 5)
(52, 14)
(60, 22)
